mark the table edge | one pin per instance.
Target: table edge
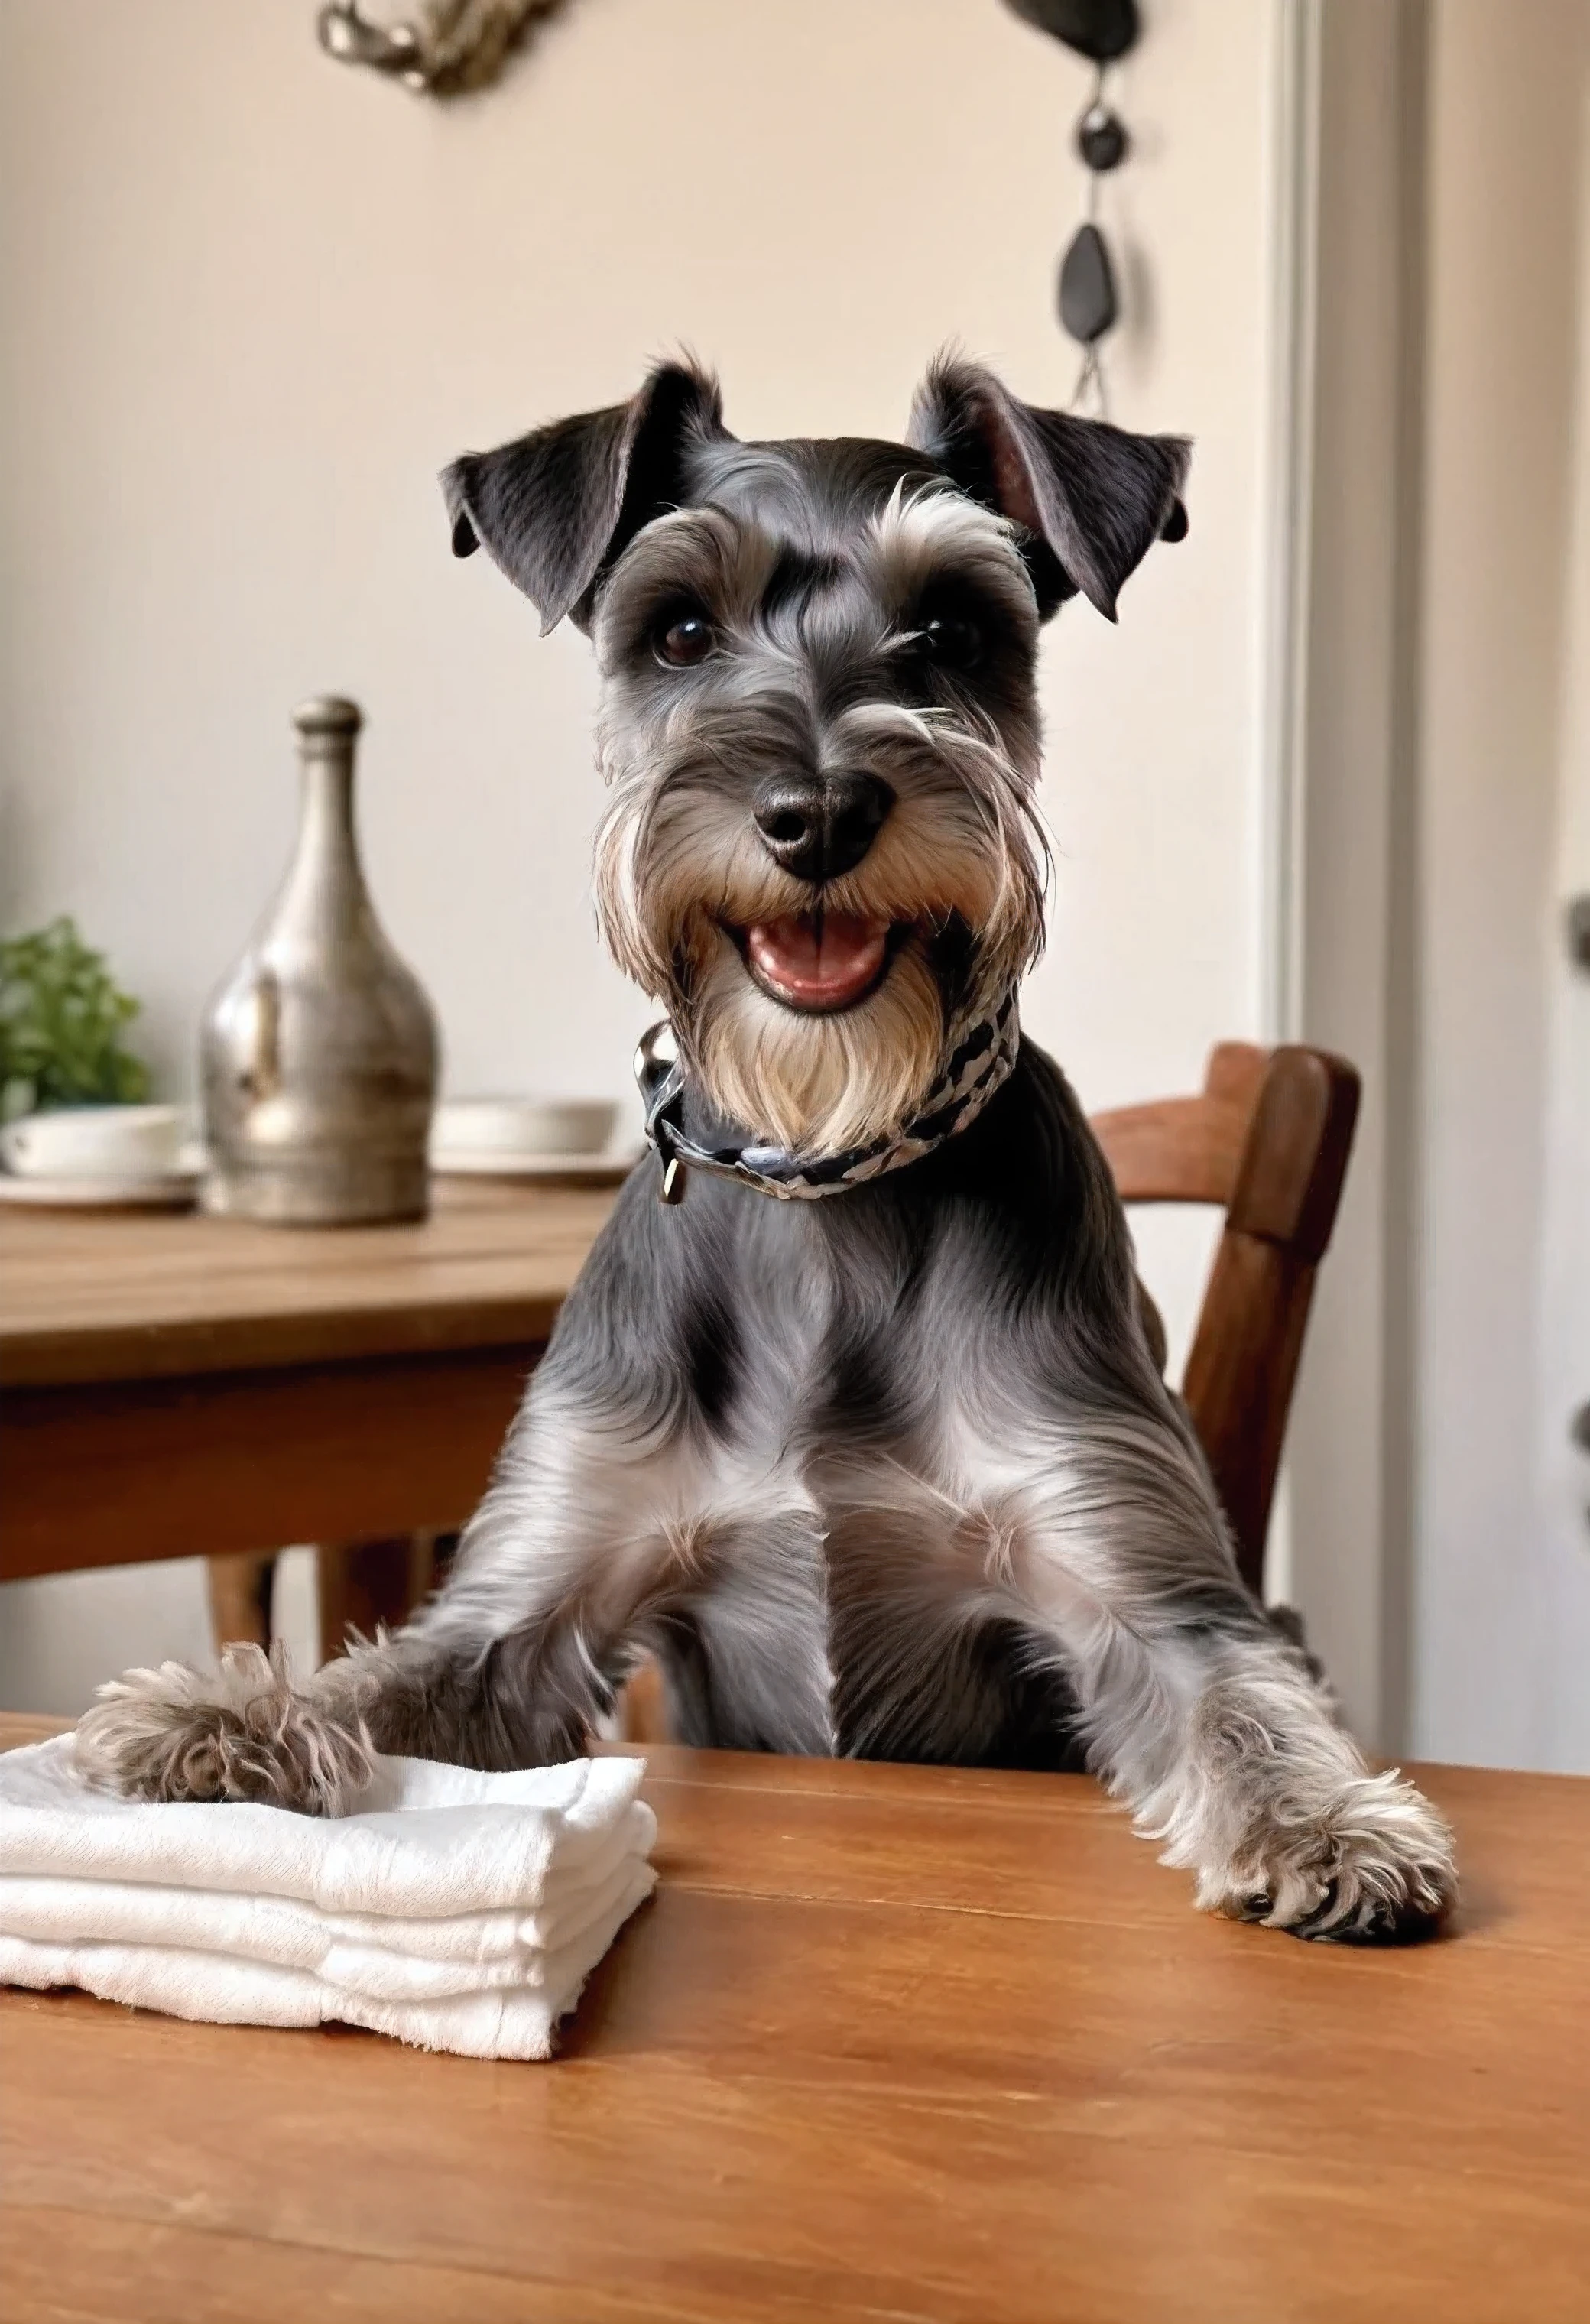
(677, 1763)
(123, 1354)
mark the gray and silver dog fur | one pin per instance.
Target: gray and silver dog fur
(893, 1472)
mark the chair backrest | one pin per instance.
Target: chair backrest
(1268, 1139)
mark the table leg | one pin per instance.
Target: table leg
(643, 1709)
(368, 1582)
(240, 1584)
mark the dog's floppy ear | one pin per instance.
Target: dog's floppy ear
(555, 507)
(1090, 499)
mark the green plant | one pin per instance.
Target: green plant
(61, 1021)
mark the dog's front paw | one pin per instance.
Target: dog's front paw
(1370, 1864)
(238, 1733)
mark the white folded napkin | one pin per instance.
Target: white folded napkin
(454, 1910)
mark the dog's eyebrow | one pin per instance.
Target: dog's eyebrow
(795, 573)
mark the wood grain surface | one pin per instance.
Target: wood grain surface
(192, 1386)
(889, 2042)
(115, 1297)
(1186, 1149)
(224, 1462)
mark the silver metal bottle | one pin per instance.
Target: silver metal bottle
(318, 1053)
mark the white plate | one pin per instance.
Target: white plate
(174, 1190)
(600, 1169)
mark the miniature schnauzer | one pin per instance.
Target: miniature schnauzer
(862, 1439)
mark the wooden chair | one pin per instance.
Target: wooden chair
(1267, 1138)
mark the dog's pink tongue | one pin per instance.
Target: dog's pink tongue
(819, 965)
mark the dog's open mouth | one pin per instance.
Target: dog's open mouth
(820, 961)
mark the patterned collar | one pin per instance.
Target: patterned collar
(981, 1053)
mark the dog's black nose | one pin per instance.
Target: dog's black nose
(817, 826)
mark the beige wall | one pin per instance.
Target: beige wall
(252, 302)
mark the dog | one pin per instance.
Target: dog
(858, 1430)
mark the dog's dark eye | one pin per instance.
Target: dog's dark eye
(683, 639)
(952, 639)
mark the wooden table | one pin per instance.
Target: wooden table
(182, 1385)
(888, 2042)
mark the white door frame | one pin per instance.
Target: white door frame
(1332, 729)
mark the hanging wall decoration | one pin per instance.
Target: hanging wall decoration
(1089, 306)
(444, 48)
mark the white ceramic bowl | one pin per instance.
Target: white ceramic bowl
(523, 1125)
(96, 1141)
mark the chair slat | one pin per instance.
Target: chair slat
(1238, 1382)
(1186, 1149)
(1179, 1150)
(1235, 1071)
(1267, 1139)
(1296, 1157)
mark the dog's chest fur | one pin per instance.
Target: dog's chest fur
(852, 1494)
(860, 1386)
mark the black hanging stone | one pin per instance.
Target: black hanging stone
(1087, 287)
(1101, 138)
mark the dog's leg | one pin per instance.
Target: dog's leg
(1204, 1715)
(744, 1651)
(509, 1667)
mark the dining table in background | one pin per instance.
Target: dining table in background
(182, 1385)
(940, 2045)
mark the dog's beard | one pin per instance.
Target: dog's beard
(812, 1085)
(681, 877)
